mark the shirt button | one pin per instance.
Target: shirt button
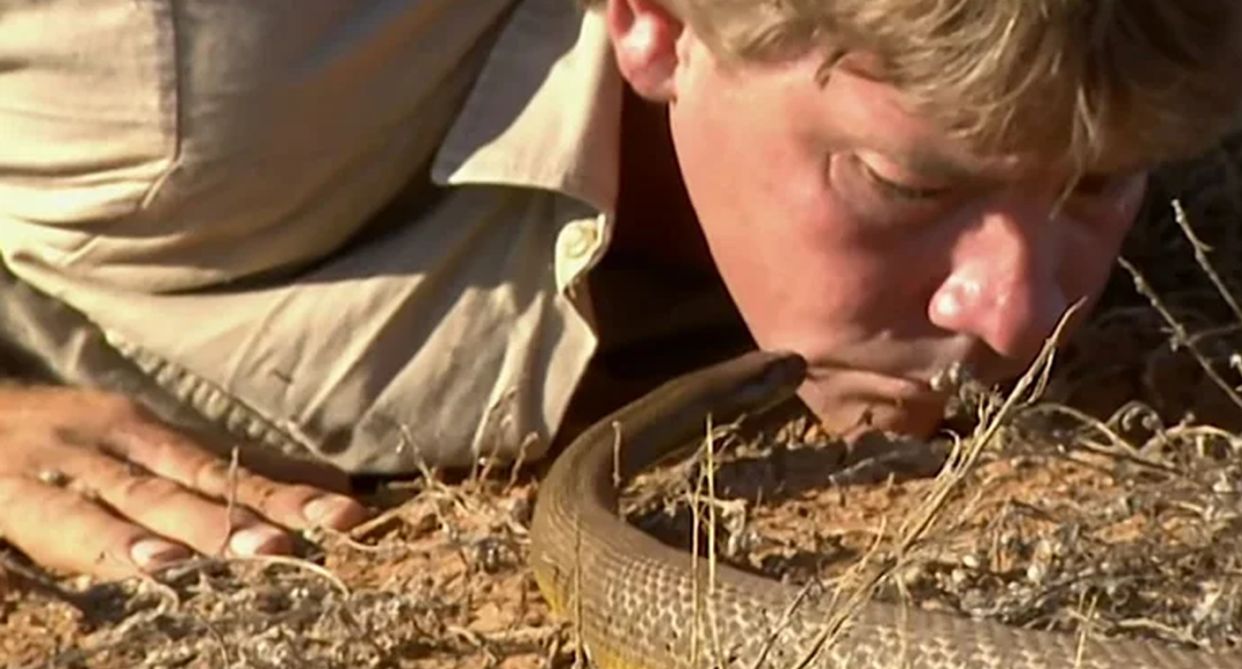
(580, 240)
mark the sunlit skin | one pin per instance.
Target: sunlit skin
(859, 234)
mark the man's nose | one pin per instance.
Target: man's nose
(1003, 287)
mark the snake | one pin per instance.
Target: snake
(634, 602)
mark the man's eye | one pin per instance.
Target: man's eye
(899, 191)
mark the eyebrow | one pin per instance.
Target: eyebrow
(921, 161)
(929, 162)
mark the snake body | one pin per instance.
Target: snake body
(640, 604)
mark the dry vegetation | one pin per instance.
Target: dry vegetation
(1105, 493)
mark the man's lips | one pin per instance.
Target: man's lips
(906, 389)
(848, 401)
(868, 384)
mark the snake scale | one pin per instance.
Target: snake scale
(632, 598)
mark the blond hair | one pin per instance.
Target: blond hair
(1095, 81)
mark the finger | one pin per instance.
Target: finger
(294, 506)
(169, 509)
(87, 539)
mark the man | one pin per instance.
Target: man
(372, 232)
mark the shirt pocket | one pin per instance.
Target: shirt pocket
(88, 107)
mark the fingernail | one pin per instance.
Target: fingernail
(147, 553)
(259, 540)
(338, 513)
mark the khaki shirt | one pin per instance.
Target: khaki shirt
(195, 175)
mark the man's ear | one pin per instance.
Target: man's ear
(645, 37)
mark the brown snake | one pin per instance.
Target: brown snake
(632, 598)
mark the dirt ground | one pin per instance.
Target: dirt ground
(1110, 500)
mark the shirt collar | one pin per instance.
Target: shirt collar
(545, 111)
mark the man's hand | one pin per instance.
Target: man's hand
(91, 483)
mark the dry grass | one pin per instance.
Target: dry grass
(1103, 493)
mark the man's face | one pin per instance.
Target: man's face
(859, 235)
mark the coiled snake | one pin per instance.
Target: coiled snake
(633, 599)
